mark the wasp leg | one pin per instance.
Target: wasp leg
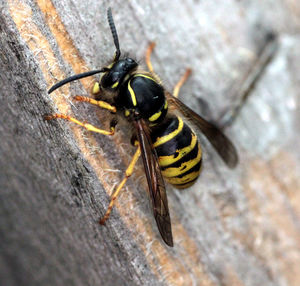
(100, 103)
(128, 173)
(182, 80)
(180, 83)
(148, 56)
(87, 126)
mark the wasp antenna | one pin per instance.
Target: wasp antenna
(74, 77)
(114, 33)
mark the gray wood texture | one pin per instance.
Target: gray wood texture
(233, 227)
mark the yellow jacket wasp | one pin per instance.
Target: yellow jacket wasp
(169, 147)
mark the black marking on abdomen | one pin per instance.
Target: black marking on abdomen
(180, 156)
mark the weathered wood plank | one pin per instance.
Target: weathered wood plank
(237, 227)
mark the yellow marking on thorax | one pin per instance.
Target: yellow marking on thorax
(168, 160)
(133, 98)
(155, 116)
(161, 140)
(145, 76)
(166, 104)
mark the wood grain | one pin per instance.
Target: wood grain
(233, 227)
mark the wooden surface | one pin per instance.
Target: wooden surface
(233, 227)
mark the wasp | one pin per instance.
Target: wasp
(169, 147)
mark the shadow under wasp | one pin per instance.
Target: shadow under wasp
(168, 146)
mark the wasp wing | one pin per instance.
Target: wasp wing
(219, 141)
(155, 181)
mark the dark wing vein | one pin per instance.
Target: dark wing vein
(219, 141)
(155, 181)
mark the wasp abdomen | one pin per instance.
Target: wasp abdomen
(178, 150)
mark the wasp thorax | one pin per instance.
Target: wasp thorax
(116, 74)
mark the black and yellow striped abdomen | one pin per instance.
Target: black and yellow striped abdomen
(178, 150)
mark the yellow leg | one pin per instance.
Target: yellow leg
(128, 173)
(99, 103)
(182, 80)
(148, 56)
(84, 125)
(150, 67)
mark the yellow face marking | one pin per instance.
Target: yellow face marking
(127, 112)
(176, 171)
(166, 138)
(155, 116)
(115, 84)
(96, 88)
(168, 160)
(133, 98)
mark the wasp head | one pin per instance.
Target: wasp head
(116, 74)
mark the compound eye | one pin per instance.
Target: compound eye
(115, 78)
(108, 80)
